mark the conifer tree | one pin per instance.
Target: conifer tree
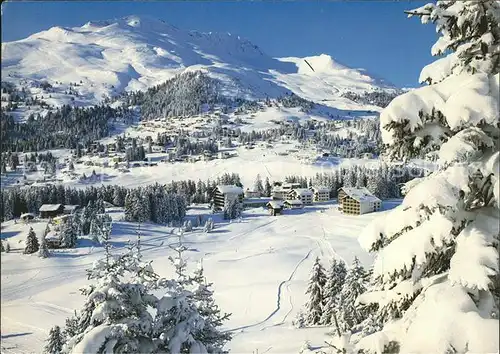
(437, 254)
(55, 341)
(68, 234)
(116, 314)
(43, 252)
(209, 225)
(258, 187)
(335, 280)
(315, 289)
(32, 244)
(267, 188)
(355, 284)
(211, 334)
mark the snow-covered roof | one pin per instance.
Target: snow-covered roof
(256, 200)
(230, 189)
(303, 191)
(321, 189)
(293, 201)
(61, 217)
(50, 207)
(275, 204)
(71, 207)
(360, 194)
(279, 190)
(26, 215)
(53, 236)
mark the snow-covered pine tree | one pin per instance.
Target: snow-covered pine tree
(115, 316)
(68, 234)
(32, 244)
(267, 188)
(211, 335)
(178, 260)
(188, 226)
(71, 327)
(209, 225)
(436, 269)
(55, 341)
(315, 289)
(334, 282)
(43, 252)
(354, 285)
(177, 322)
(258, 186)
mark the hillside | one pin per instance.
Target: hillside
(133, 53)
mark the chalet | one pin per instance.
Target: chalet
(303, 194)
(357, 201)
(293, 204)
(70, 209)
(290, 186)
(275, 207)
(321, 194)
(26, 217)
(255, 202)
(53, 239)
(50, 210)
(252, 194)
(279, 193)
(223, 193)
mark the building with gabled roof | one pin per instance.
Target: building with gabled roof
(357, 201)
(293, 204)
(275, 207)
(303, 194)
(321, 194)
(50, 210)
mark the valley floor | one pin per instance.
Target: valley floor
(259, 266)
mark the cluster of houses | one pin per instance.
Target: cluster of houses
(354, 201)
(57, 214)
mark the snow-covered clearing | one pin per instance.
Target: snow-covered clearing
(259, 267)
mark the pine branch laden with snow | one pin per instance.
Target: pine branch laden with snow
(469, 30)
(436, 270)
(211, 334)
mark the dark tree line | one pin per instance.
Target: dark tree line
(18, 200)
(377, 98)
(65, 127)
(384, 182)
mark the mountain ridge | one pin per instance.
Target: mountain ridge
(136, 52)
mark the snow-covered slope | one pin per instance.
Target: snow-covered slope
(134, 53)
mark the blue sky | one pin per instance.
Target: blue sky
(372, 35)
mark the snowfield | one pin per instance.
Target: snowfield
(133, 53)
(259, 266)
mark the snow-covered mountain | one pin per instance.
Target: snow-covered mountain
(136, 52)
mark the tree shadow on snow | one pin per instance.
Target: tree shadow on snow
(16, 335)
(4, 235)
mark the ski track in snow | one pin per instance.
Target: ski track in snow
(252, 230)
(278, 301)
